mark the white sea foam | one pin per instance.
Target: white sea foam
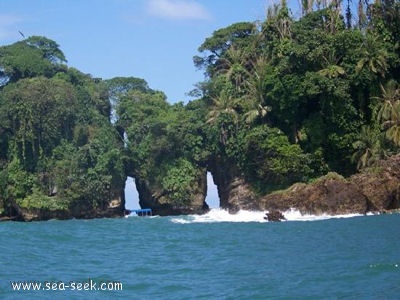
(221, 215)
(216, 215)
(295, 215)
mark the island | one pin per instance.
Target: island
(293, 112)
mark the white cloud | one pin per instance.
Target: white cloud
(177, 10)
(8, 26)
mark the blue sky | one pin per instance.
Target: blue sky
(150, 39)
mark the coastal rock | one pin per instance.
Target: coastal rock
(331, 194)
(274, 216)
(233, 191)
(375, 189)
(151, 196)
(381, 184)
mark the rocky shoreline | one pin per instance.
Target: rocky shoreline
(113, 208)
(375, 190)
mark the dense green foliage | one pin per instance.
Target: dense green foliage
(164, 143)
(58, 148)
(290, 99)
(283, 100)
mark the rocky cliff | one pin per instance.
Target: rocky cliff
(373, 190)
(233, 191)
(159, 200)
(330, 194)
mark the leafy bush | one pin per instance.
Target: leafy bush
(40, 201)
(270, 161)
(179, 181)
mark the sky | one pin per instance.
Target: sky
(150, 39)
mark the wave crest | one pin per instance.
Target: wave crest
(217, 215)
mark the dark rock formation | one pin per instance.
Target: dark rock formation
(381, 185)
(375, 189)
(151, 196)
(274, 216)
(331, 194)
(233, 191)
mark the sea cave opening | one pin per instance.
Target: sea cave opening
(131, 194)
(212, 198)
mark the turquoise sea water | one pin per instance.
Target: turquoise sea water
(205, 258)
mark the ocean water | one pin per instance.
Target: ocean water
(215, 256)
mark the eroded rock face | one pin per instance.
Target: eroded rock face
(381, 185)
(233, 191)
(235, 194)
(274, 216)
(377, 189)
(158, 200)
(331, 194)
(374, 190)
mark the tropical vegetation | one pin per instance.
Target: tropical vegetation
(283, 100)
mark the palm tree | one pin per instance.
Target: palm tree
(362, 18)
(390, 95)
(335, 12)
(393, 132)
(337, 5)
(375, 62)
(368, 148)
(257, 112)
(307, 6)
(332, 71)
(233, 65)
(389, 111)
(255, 96)
(224, 103)
(374, 59)
(278, 16)
(223, 106)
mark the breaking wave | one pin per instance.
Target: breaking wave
(221, 215)
(216, 215)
